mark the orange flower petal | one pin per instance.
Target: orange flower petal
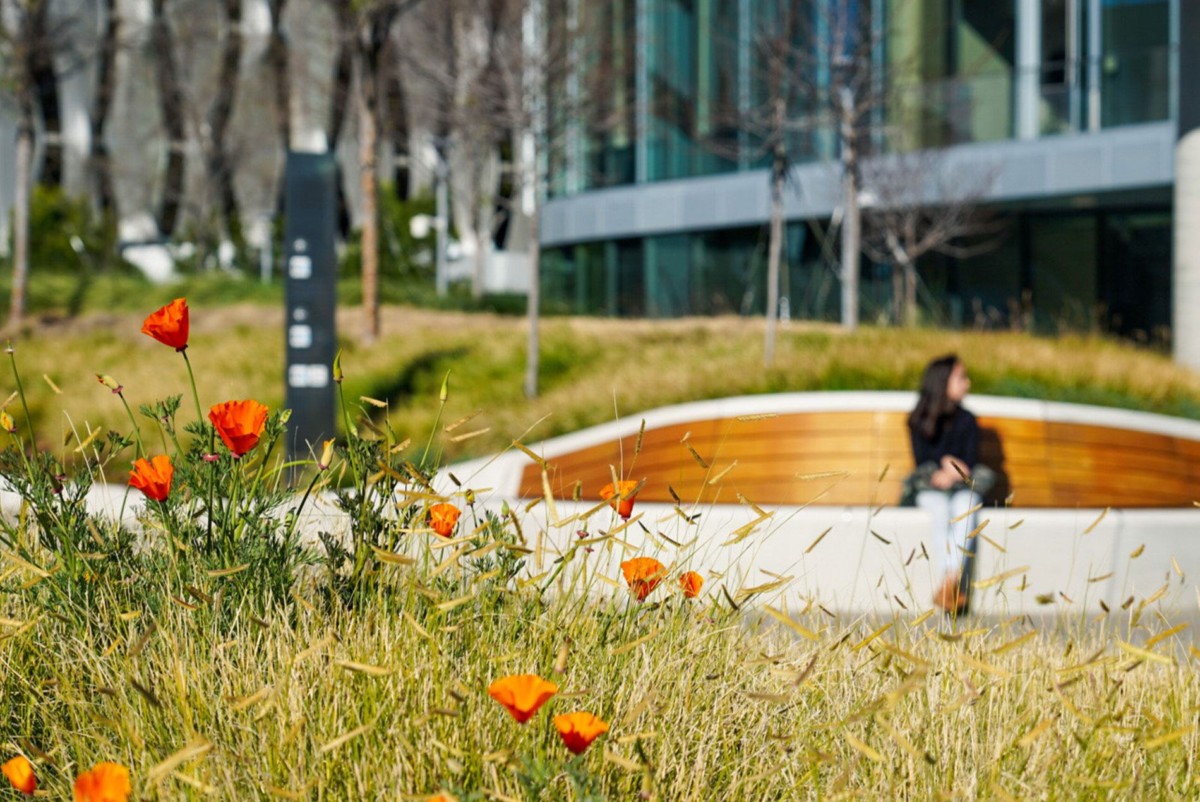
(522, 694)
(19, 772)
(106, 782)
(579, 729)
(643, 575)
(691, 582)
(239, 424)
(624, 491)
(153, 477)
(443, 518)
(169, 325)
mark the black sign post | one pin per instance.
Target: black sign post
(310, 273)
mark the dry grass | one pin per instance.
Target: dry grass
(704, 703)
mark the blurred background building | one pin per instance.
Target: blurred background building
(1053, 124)
(1060, 114)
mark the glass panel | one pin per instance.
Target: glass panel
(1063, 265)
(692, 63)
(1136, 275)
(950, 63)
(1135, 64)
(611, 87)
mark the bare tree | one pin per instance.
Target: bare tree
(214, 130)
(537, 47)
(452, 52)
(30, 42)
(99, 163)
(917, 207)
(174, 117)
(365, 27)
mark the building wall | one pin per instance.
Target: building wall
(1059, 109)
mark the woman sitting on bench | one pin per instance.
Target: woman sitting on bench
(945, 445)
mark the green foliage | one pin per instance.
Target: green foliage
(54, 219)
(402, 256)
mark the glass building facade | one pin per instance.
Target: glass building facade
(679, 89)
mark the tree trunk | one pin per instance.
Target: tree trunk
(339, 98)
(220, 170)
(898, 312)
(910, 293)
(535, 300)
(43, 82)
(774, 251)
(99, 166)
(851, 246)
(368, 149)
(21, 178)
(277, 59)
(170, 94)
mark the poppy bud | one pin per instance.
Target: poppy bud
(110, 383)
(326, 456)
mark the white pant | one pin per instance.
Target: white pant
(951, 551)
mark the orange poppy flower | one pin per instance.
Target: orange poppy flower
(522, 694)
(691, 582)
(442, 798)
(19, 772)
(443, 518)
(578, 730)
(153, 477)
(106, 782)
(239, 423)
(169, 325)
(624, 504)
(643, 575)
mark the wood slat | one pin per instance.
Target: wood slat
(1041, 464)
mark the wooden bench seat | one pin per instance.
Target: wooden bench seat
(860, 456)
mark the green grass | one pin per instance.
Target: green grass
(592, 369)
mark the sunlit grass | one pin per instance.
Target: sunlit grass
(592, 369)
(201, 699)
(215, 663)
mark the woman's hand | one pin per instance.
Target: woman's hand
(943, 479)
(952, 471)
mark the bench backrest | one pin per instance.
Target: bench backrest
(860, 457)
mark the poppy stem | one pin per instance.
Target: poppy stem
(195, 395)
(12, 357)
(137, 434)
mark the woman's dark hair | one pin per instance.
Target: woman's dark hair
(933, 405)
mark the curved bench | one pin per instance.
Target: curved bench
(852, 448)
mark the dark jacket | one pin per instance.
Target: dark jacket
(958, 436)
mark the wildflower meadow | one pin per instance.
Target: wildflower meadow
(359, 624)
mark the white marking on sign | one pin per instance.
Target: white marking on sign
(300, 336)
(308, 376)
(300, 266)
